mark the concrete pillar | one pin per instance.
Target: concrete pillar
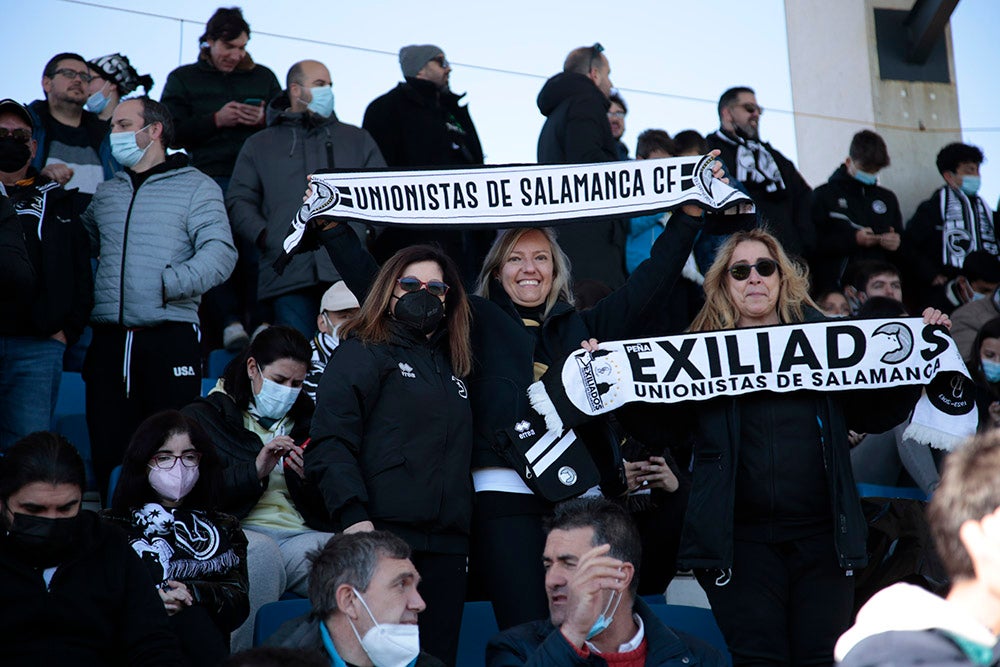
(837, 91)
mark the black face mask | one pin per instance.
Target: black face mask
(419, 310)
(14, 154)
(42, 541)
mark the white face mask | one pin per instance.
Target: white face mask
(388, 644)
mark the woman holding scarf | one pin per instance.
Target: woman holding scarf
(392, 435)
(196, 557)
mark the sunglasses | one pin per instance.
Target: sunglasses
(750, 107)
(595, 51)
(73, 74)
(440, 60)
(765, 268)
(412, 284)
(20, 134)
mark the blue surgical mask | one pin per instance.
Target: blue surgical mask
(991, 369)
(865, 177)
(274, 400)
(970, 185)
(976, 296)
(322, 101)
(125, 149)
(604, 620)
(97, 102)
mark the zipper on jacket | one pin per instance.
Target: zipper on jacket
(121, 277)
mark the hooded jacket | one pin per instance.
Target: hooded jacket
(268, 181)
(392, 440)
(17, 275)
(161, 246)
(577, 131)
(840, 207)
(193, 93)
(907, 625)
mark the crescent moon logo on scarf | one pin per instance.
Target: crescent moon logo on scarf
(900, 336)
(201, 539)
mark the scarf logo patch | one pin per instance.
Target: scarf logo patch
(406, 370)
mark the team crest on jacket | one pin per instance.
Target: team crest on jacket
(462, 391)
(406, 370)
(841, 203)
(879, 206)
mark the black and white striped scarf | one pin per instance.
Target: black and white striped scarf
(754, 162)
(967, 226)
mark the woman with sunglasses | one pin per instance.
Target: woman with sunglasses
(392, 435)
(774, 525)
(258, 417)
(169, 486)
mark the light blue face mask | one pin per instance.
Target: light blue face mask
(991, 369)
(604, 620)
(322, 101)
(97, 102)
(275, 400)
(970, 184)
(865, 177)
(125, 149)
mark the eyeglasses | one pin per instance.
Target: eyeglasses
(751, 108)
(165, 461)
(595, 51)
(19, 134)
(413, 284)
(765, 267)
(73, 74)
(616, 114)
(441, 60)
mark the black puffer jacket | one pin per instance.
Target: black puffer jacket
(504, 349)
(219, 415)
(392, 440)
(17, 275)
(840, 207)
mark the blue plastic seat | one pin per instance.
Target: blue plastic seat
(208, 384)
(116, 474)
(72, 397)
(880, 491)
(74, 428)
(479, 624)
(696, 621)
(217, 362)
(272, 615)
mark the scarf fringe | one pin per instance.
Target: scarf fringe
(190, 569)
(543, 405)
(929, 435)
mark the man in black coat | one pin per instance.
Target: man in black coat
(419, 123)
(575, 103)
(781, 194)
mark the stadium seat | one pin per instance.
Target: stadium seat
(72, 398)
(74, 428)
(208, 384)
(112, 483)
(272, 615)
(478, 627)
(217, 361)
(880, 491)
(696, 621)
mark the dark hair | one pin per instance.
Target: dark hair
(868, 149)
(40, 457)
(277, 656)
(53, 64)
(975, 361)
(687, 140)
(864, 271)
(133, 488)
(968, 492)
(650, 140)
(273, 343)
(581, 59)
(156, 112)
(955, 154)
(881, 306)
(616, 98)
(729, 97)
(294, 75)
(350, 559)
(372, 323)
(226, 24)
(612, 525)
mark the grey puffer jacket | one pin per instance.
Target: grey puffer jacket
(269, 180)
(161, 246)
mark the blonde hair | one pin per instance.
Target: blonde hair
(719, 312)
(372, 323)
(504, 245)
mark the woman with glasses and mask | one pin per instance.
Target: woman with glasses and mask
(774, 524)
(392, 436)
(72, 591)
(523, 320)
(258, 418)
(169, 486)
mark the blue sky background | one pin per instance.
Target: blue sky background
(669, 58)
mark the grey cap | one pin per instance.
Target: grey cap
(412, 58)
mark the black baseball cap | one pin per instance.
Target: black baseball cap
(10, 106)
